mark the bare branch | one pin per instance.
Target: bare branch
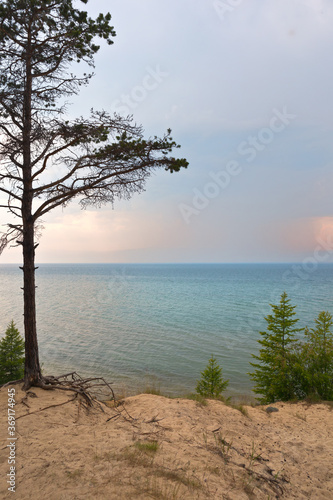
(11, 235)
(10, 193)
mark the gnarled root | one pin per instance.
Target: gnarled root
(90, 389)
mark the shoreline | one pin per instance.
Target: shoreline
(127, 386)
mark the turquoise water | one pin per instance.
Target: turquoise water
(138, 323)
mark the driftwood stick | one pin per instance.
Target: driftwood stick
(46, 408)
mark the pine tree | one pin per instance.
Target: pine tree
(317, 359)
(273, 375)
(99, 158)
(11, 355)
(212, 384)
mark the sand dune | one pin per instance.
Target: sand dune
(155, 447)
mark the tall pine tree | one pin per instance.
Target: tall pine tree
(273, 375)
(48, 159)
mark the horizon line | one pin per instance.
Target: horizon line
(160, 263)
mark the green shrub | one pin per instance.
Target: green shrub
(315, 361)
(11, 355)
(211, 384)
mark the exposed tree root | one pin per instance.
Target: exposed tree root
(91, 392)
(90, 389)
(85, 390)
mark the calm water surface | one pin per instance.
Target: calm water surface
(140, 324)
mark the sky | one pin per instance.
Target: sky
(247, 89)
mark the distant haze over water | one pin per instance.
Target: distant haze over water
(139, 324)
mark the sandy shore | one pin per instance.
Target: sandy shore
(155, 447)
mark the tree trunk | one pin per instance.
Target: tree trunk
(32, 372)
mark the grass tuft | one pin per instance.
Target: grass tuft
(240, 408)
(75, 474)
(147, 446)
(198, 398)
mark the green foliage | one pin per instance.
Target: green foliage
(289, 368)
(211, 384)
(59, 34)
(274, 375)
(11, 355)
(315, 360)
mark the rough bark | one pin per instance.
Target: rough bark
(32, 372)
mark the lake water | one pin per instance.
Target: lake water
(139, 324)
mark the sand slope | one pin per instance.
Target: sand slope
(213, 451)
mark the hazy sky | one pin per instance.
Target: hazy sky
(247, 89)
